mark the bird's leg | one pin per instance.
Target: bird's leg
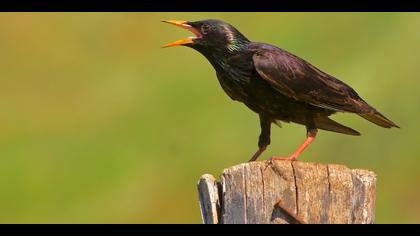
(311, 134)
(264, 139)
(257, 153)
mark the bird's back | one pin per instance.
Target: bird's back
(300, 80)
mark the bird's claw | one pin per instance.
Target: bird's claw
(275, 158)
(269, 162)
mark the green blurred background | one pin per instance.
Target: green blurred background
(98, 124)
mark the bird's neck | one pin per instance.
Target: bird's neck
(218, 57)
(237, 44)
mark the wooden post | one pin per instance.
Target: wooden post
(312, 193)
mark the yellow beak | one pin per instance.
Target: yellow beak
(185, 25)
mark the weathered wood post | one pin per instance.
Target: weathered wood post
(307, 192)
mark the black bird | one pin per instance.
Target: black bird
(276, 84)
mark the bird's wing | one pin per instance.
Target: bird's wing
(297, 79)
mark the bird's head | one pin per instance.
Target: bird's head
(210, 36)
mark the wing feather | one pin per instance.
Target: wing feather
(296, 78)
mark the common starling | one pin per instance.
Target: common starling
(276, 84)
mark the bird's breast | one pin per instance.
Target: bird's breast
(235, 77)
(234, 87)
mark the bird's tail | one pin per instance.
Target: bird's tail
(326, 123)
(379, 119)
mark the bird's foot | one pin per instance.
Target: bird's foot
(290, 158)
(269, 162)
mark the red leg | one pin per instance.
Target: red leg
(295, 155)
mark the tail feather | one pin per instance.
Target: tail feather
(326, 123)
(379, 119)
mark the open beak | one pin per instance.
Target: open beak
(185, 25)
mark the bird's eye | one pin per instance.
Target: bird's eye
(205, 29)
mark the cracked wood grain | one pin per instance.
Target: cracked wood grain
(208, 196)
(249, 193)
